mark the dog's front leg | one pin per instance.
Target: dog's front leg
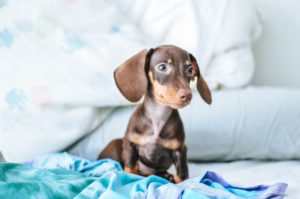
(130, 157)
(180, 160)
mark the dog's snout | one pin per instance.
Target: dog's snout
(184, 95)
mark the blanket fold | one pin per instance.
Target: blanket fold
(66, 176)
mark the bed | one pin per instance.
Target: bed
(59, 94)
(251, 172)
(62, 175)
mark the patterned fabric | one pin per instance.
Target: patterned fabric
(64, 176)
(57, 62)
(58, 56)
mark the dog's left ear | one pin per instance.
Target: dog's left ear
(201, 84)
(131, 78)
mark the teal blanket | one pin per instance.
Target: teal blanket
(65, 176)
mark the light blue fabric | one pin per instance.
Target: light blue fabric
(106, 179)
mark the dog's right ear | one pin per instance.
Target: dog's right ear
(131, 78)
(201, 84)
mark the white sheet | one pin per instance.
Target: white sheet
(250, 173)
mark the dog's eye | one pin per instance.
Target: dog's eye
(162, 67)
(190, 71)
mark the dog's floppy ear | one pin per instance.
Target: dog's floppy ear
(201, 84)
(131, 78)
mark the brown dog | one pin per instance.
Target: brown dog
(154, 138)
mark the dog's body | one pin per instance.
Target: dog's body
(154, 138)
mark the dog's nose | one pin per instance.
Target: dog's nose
(185, 95)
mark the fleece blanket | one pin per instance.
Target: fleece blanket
(65, 176)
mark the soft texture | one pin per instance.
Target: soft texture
(105, 179)
(252, 172)
(277, 50)
(231, 63)
(255, 123)
(219, 33)
(58, 57)
(51, 93)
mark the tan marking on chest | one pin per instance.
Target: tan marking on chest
(142, 140)
(172, 144)
(138, 139)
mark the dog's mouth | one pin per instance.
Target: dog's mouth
(172, 103)
(178, 105)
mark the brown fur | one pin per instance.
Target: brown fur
(154, 138)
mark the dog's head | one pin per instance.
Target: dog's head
(164, 73)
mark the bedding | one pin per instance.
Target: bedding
(59, 86)
(251, 172)
(276, 57)
(80, 178)
(251, 123)
(58, 57)
(231, 63)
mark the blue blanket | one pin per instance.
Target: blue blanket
(65, 176)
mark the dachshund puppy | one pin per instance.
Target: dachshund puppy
(154, 139)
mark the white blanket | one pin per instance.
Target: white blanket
(58, 57)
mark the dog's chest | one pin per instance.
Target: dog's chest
(154, 133)
(155, 155)
(155, 130)
(158, 119)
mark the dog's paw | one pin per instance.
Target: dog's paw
(134, 170)
(167, 176)
(171, 178)
(177, 179)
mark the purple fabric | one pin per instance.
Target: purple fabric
(275, 191)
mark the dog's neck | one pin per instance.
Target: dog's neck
(157, 113)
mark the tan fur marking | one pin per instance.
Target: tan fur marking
(134, 170)
(172, 144)
(170, 61)
(158, 89)
(157, 86)
(187, 62)
(162, 94)
(138, 139)
(142, 140)
(177, 179)
(172, 93)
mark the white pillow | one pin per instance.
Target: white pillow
(218, 32)
(58, 57)
(55, 71)
(231, 63)
(256, 123)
